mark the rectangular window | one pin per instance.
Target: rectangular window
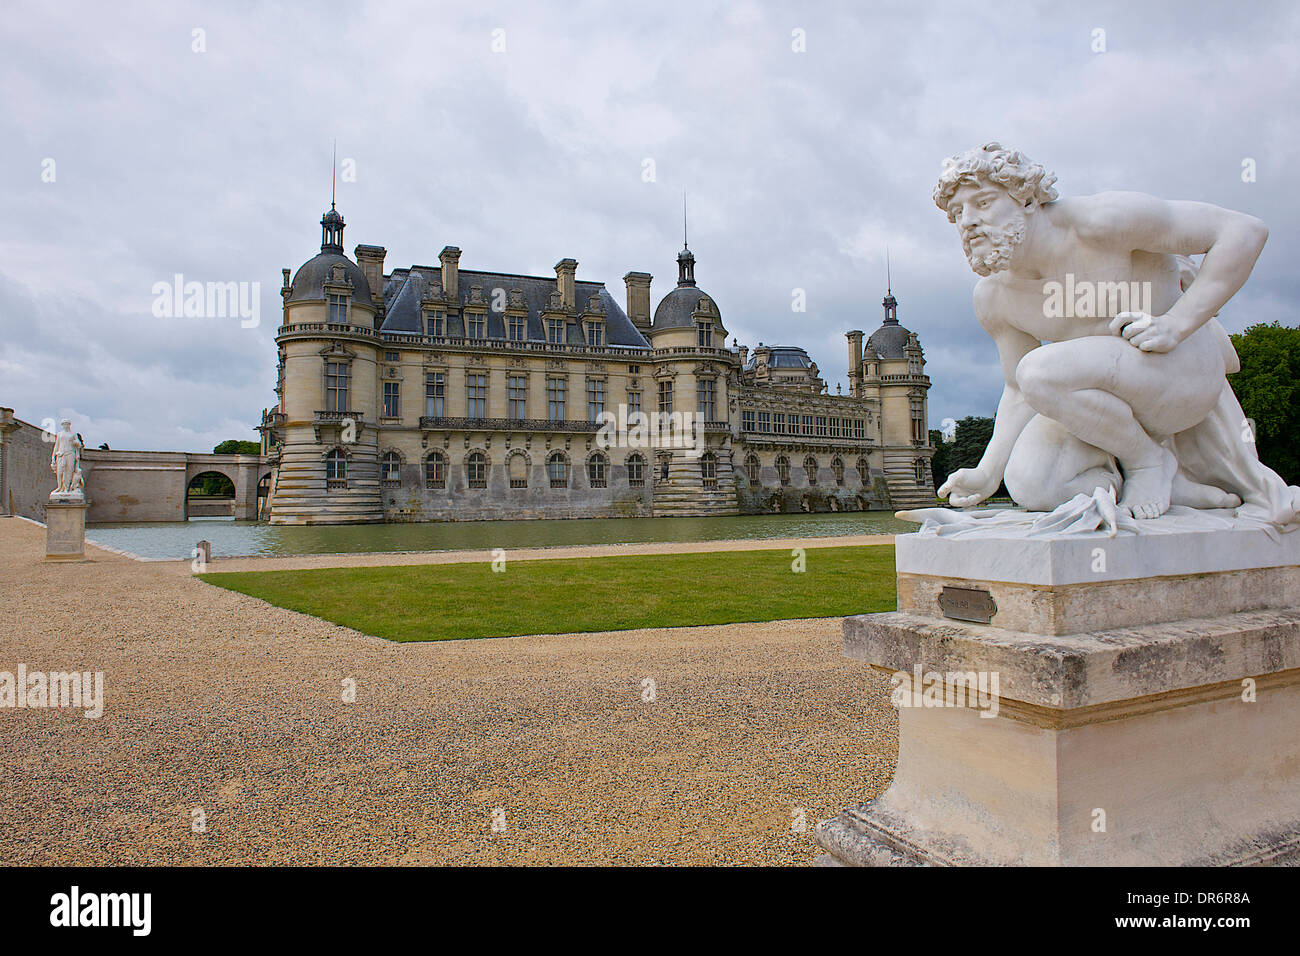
(595, 334)
(704, 398)
(518, 330)
(821, 426)
(778, 423)
(476, 396)
(747, 420)
(636, 471)
(517, 397)
(634, 369)
(338, 309)
(555, 388)
(765, 422)
(704, 335)
(438, 324)
(391, 406)
(392, 357)
(435, 393)
(595, 399)
(336, 387)
(555, 332)
(835, 428)
(666, 397)
(859, 428)
(633, 403)
(475, 325)
(807, 424)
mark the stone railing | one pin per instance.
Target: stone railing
(505, 425)
(323, 418)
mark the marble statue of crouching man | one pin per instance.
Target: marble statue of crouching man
(1127, 396)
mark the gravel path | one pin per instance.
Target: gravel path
(220, 702)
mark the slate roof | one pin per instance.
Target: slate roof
(404, 289)
(889, 340)
(784, 356)
(309, 282)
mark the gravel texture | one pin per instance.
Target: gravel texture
(221, 702)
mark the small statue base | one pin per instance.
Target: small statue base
(65, 528)
(1048, 738)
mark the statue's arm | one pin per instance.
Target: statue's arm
(1231, 242)
(970, 486)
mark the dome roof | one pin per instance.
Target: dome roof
(889, 340)
(677, 309)
(309, 283)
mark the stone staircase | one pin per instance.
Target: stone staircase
(900, 476)
(684, 494)
(301, 495)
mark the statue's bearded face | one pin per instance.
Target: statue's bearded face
(992, 225)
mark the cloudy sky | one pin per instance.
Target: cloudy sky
(136, 148)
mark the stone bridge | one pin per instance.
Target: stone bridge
(152, 485)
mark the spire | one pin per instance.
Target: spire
(331, 224)
(889, 302)
(685, 258)
(334, 172)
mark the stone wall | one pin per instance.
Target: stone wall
(25, 476)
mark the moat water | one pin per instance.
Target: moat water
(173, 540)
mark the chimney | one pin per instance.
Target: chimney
(855, 361)
(638, 299)
(744, 355)
(564, 272)
(450, 259)
(371, 260)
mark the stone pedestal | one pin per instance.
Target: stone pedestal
(1141, 703)
(65, 529)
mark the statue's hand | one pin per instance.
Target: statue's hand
(968, 486)
(1150, 333)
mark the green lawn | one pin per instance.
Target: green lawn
(437, 602)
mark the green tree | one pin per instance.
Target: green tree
(965, 450)
(939, 465)
(233, 446)
(1268, 387)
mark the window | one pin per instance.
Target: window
(475, 325)
(914, 366)
(666, 396)
(476, 396)
(435, 470)
(557, 470)
(633, 403)
(810, 466)
(821, 426)
(338, 306)
(476, 469)
(555, 331)
(864, 471)
(920, 471)
(778, 423)
(634, 369)
(765, 422)
(807, 425)
(438, 324)
(555, 388)
(835, 428)
(704, 391)
(518, 328)
(390, 467)
(435, 393)
(636, 471)
(783, 470)
(704, 334)
(391, 405)
(517, 397)
(709, 469)
(859, 428)
(747, 419)
(336, 387)
(918, 421)
(518, 469)
(752, 470)
(392, 357)
(837, 466)
(336, 466)
(595, 399)
(597, 465)
(595, 334)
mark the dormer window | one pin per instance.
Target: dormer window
(338, 309)
(704, 334)
(517, 328)
(595, 334)
(438, 324)
(475, 325)
(555, 331)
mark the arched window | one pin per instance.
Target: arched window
(783, 470)
(518, 468)
(709, 469)
(920, 471)
(390, 467)
(636, 471)
(752, 469)
(336, 467)
(810, 466)
(864, 471)
(435, 470)
(597, 465)
(837, 466)
(476, 469)
(557, 469)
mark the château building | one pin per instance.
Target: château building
(434, 393)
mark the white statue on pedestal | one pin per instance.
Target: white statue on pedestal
(65, 462)
(1116, 400)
